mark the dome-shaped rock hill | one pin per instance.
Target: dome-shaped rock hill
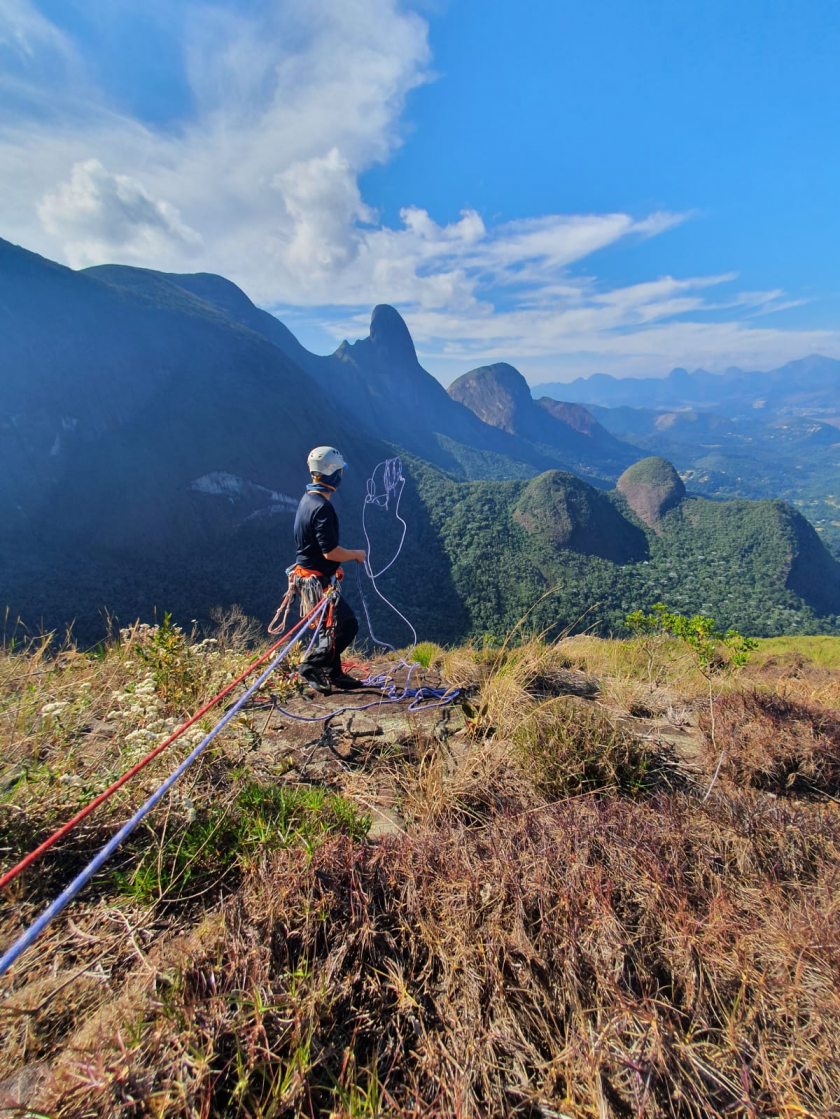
(498, 394)
(651, 487)
(562, 511)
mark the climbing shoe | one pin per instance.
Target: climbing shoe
(314, 678)
(344, 682)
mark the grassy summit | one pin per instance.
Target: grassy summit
(520, 906)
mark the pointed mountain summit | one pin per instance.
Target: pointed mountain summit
(390, 340)
(651, 487)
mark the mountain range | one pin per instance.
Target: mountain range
(809, 387)
(153, 436)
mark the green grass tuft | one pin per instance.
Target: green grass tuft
(231, 836)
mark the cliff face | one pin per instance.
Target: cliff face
(651, 487)
(499, 395)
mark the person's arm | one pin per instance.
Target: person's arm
(326, 533)
(345, 555)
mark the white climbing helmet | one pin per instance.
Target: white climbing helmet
(325, 460)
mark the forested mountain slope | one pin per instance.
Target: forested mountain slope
(377, 382)
(743, 562)
(763, 452)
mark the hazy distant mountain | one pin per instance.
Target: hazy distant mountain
(752, 435)
(499, 395)
(810, 386)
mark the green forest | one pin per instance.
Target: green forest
(736, 560)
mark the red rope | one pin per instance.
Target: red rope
(10, 875)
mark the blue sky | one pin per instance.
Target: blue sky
(570, 187)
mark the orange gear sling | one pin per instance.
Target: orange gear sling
(306, 585)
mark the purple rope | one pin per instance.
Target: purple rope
(393, 482)
(393, 695)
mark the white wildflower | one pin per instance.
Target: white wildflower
(53, 710)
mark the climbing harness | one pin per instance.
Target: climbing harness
(384, 491)
(307, 586)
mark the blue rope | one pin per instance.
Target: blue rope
(67, 895)
(394, 483)
(392, 695)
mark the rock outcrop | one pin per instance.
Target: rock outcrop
(651, 487)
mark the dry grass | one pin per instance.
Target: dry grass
(776, 744)
(566, 929)
(794, 675)
(603, 957)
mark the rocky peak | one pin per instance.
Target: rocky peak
(390, 338)
(575, 415)
(651, 487)
(496, 393)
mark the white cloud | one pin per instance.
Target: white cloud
(100, 216)
(259, 180)
(323, 200)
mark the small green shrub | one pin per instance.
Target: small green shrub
(177, 673)
(569, 750)
(426, 653)
(715, 650)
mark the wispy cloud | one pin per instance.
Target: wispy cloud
(25, 31)
(259, 179)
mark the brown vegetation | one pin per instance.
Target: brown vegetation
(561, 928)
(776, 744)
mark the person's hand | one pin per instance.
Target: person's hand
(360, 556)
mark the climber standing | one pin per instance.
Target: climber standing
(319, 552)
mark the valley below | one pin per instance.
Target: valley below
(154, 430)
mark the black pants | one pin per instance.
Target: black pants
(325, 653)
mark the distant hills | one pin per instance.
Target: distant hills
(758, 565)
(810, 387)
(737, 434)
(153, 435)
(499, 395)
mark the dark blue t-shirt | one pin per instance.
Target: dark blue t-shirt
(316, 532)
